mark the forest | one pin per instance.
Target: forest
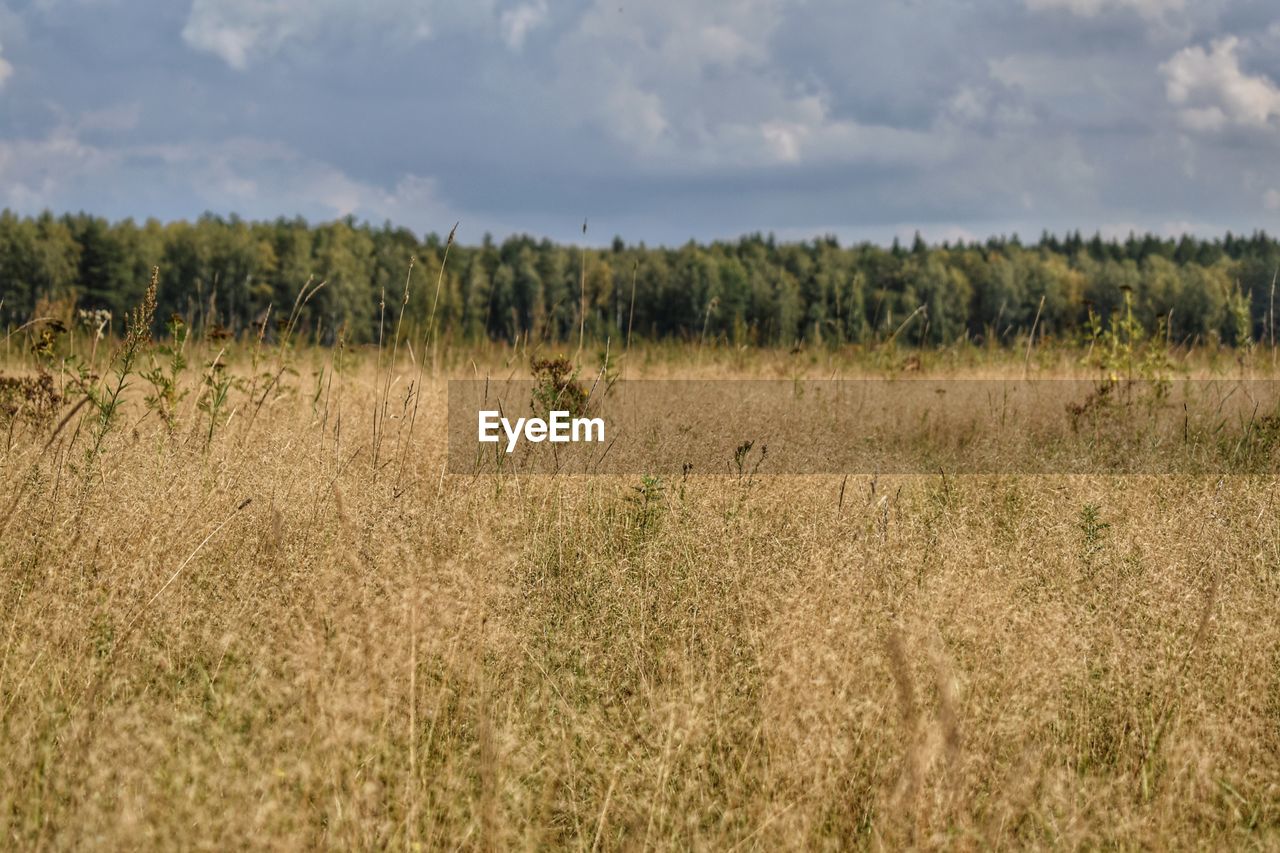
(234, 275)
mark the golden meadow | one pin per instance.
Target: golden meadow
(244, 604)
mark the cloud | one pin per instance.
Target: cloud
(33, 171)
(1271, 199)
(6, 70)
(517, 22)
(700, 87)
(784, 138)
(663, 120)
(245, 176)
(988, 108)
(116, 118)
(1151, 10)
(669, 77)
(1213, 92)
(242, 32)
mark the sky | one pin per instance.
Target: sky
(658, 121)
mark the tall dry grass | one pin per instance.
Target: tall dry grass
(259, 641)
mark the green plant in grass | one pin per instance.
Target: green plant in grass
(106, 401)
(1094, 532)
(168, 363)
(216, 385)
(1123, 352)
(648, 500)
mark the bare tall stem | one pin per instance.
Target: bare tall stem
(582, 292)
(1026, 365)
(381, 416)
(1272, 321)
(427, 340)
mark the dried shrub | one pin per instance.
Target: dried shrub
(34, 398)
(556, 387)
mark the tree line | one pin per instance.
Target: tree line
(228, 272)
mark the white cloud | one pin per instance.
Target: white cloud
(686, 85)
(250, 177)
(1151, 10)
(241, 32)
(981, 107)
(784, 138)
(697, 86)
(32, 172)
(634, 115)
(517, 22)
(667, 72)
(235, 31)
(1271, 199)
(807, 132)
(1213, 92)
(6, 70)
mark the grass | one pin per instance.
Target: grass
(249, 638)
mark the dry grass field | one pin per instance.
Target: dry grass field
(257, 613)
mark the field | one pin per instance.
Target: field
(255, 611)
